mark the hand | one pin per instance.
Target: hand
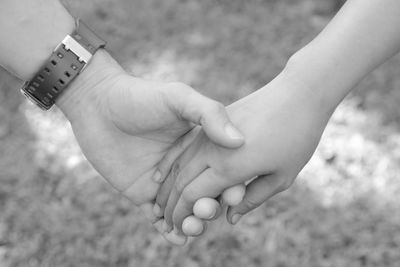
(282, 124)
(206, 209)
(126, 125)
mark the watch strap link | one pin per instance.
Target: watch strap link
(65, 63)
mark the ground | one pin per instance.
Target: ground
(343, 209)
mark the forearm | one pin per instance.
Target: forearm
(362, 36)
(30, 31)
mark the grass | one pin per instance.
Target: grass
(342, 211)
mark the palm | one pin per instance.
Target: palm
(128, 140)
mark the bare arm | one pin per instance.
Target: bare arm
(124, 125)
(363, 35)
(284, 120)
(30, 31)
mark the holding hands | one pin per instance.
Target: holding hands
(282, 122)
(125, 126)
(151, 151)
(281, 132)
(145, 137)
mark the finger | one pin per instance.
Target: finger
(158, 225)
(158, 222)
(192, 226)
(206, 209)
(234, 195)
(207, 184)
(190, 171)
(143, 190)
(147, 210)
(165, 165)
(211, 115)
(172, 237)
(163, 194)
(180, 166)
(257, 192)
(175, 238)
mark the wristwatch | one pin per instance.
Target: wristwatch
(68, 59)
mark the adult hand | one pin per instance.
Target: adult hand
(282, 124)
(126, 125)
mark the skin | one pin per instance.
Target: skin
(283, 121)
(125, 136)
(288, 124)
(124, 125)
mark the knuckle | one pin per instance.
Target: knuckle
(217, 107)
(211, 108)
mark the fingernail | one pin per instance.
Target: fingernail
(213, 214)
(235, 218)
(175, 231)
(158, 225)
(157, 177)
(179, 240)
(166, 228)
(233, 132)
(157, 210)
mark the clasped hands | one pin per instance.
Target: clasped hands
(167, 148)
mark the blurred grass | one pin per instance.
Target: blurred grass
(342, 211)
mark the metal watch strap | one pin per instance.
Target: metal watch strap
(65, 63)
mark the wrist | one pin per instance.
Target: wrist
(313, 84)
(296, 96)
(87, 93)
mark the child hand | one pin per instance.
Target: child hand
(282, 124)
(206, 209)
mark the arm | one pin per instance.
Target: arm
(31, 30)
(123, 124)
(283, 121)
(362, 36)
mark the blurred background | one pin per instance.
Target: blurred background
(344, 209)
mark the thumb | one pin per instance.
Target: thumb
(257, 192)
(211, 115)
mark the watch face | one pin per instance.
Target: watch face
(65, 63)
(27, 92)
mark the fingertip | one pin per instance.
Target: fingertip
(235, 218)
(234, 134)
(166, 227)
(205, 208)
(175, 238)
(229, 214)
(234, 195)
(157, 210)
(223, 133)
(192, 226)
(159, 226)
